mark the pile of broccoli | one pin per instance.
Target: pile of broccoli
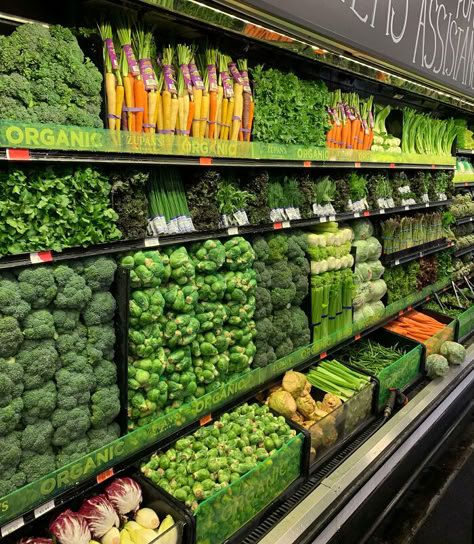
(191, 323)
(58, 391)
(282, 272)
(45, 78)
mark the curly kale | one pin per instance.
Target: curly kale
(11, 336)
(50, 80)
(201, 199)
(11, 303)
(37, 286)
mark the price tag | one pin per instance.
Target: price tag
(205, 161)
(232, 231)
(105, 475)
(323, 355)
(397, 262)
(18, 154)
(444, 289)
(427, 204)
(12, 526)
(356, 214)
(286, 224)
(46, 507)
(366, 214)
(466, 184)
(332, 218)
(323, 219)
(41, 257)
(307, 164)
(205, 419)
(407, 207)
(152, 241)
(433, 166)
(392, 165)
(357, 165)
(409, 308)
(382, 211)
(400, 313)
(277, 226)
(357, 337)
(427, 298)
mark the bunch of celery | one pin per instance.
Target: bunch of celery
(167, 205)
(425, 135)
(333, 377)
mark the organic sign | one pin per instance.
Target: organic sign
(430, 38)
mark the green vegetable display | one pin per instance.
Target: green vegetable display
(45, 78)
(401, 280)
(59, 207)
(282, 271)
(198, 466)
(371, 355)
(191, 323)
(436, 366)
(59, 397)
(454, 352)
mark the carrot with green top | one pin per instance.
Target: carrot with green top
(105, 31)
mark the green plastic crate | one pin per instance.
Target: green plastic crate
(466, 322)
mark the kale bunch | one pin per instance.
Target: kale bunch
(201, 198)
(45, 78)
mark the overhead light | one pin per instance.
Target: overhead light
(20, 20)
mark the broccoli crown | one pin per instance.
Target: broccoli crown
(263, 303)
(10, 446)
(282, 298)
(300, 333)
(99, 273)
(75, 383)
(281, 275)
(278, 247)
(52, 82)
(101, 338)
(100, 310)
(38, 325)
(102, 436)
(261, 248)
(73, 293)
(75, 341)
(264, 328)
(264, 356)
(105, 373)
(70, 424)
(105, 406)
(36, 438)
(37, 286)
(66, 320)
(10, 416)
(284, 348)
(39, 360)
(11, 381)
(281, 327)
(72, 452)
(74, 362)
(297, 244)
(11, 481)
(39, 403)
(11, 302)
(263, 274)
(37, 466)
(11, 336)
(302, 288)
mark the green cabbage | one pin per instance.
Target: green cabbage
(377, 269)
(454, 352)
(361, 296)
(362, 253)
(374, 248)
(362, 273)
(377, 290)
(362, 229)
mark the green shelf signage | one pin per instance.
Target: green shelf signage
(66, 138)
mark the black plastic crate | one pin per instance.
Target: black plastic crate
(151, 499)
(245, 494)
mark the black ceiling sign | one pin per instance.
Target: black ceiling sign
(430, 38)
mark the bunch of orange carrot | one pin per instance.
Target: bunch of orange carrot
(351, 122)
(416, 325)
(186, 93)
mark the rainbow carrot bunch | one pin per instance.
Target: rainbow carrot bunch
(198, 90)
(248, 103)
(112, 74)
(205, 100)
(211, 57)
(236, 121)
(146, 85)
(185, 90)
(228, 96)
(170, 93)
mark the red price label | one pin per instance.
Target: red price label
(366, 214)
(277, 226)
(323, 355)
(357, 337)
(392, 165)
(105, 475)
(41, 257)
(427, 298)
(357, 164)
(205, 419)
(307, 164)
(466, 184)
(432, 166)
(205, 161)
(18, 155)
(400, 313)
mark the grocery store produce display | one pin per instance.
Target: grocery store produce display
(212, 336)
(59, 378)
